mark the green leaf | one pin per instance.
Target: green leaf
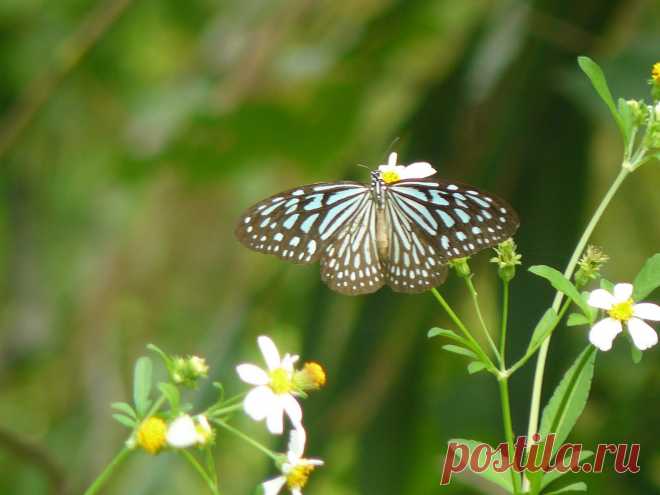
(142, 385)
(648, 278)
(124, 420)
(562, 284)
(597, 78)
(555, 474)
(460, 350)
(636, 354)
(543, 328)
(502, 479)
(475, 367)
(125, 408)
(172, 395)
(577, 319)
(443, 332)
(627, 118)
(569, 398)
(574, 488)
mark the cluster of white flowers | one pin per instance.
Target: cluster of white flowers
(275, 394)
(621, 309)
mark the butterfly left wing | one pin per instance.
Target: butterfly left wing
(296, 225)
(458, 219)
(350, 263)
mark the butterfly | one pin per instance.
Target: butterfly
(400, 230)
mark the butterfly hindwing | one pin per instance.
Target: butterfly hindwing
(350, 263)
(297, 224)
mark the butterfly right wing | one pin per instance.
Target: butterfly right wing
(296, 225)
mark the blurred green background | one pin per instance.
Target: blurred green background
(133, 134)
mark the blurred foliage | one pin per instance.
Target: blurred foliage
(119, 198)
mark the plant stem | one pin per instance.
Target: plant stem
(477, 348)
(568, 273)
(198, 467)
(505, 319)
(249, 440)
(508, 428)
(482, 322)
(107, 472)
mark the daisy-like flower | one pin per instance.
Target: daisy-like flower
(186, 431)
(622, 309)
(296, 469)
(274, 390)
(393, 172)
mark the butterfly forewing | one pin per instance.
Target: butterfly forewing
(297, 225)
(458, 220)
(350, 263)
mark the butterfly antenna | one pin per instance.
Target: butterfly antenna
(389, 148)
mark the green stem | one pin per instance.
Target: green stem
(200, 470)
(535, 405)
(482, 322)
(505, 319)
(102, 478)
(508, 428)
(476, 347)
(210, 465)
(212, 412)
(246, 438)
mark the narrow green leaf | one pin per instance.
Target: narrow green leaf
(442, 332)
(635, 354)
(543, 328)
(574, 488)
(648, 278)
(555, 474)
(475, 367)
(569, 398)
(502, 479)
(125, 408)
(124, 420)
(459, 350)
(561, 283)
(627, 118)
(172, 395)
(597, 78)
(577, 319)
(142, 385)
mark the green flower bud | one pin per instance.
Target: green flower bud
(507, 258)
(461, 266)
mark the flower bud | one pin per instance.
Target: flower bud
(589, 265)
(461, 266)
(506, 258)
(186, 371)
(310, 377)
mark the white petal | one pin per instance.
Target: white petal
(259, 402)
(269, 351)
(622, 292)
(418, 170)
(314, 462)
(602, 333)
(647, 311)
(288, 361)
(397, 169)
(252, 374)
(182, 432)
(295, 491)
(297, 439)
(642, 334)
(292, 408)
(602, 299)
(391, 160)
(275, 418)
(273, 487)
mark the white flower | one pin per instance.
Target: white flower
(296, 470)
(185, 431)
(272, 395)
(393, 172)
(622, 309)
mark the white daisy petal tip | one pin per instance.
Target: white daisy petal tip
(269, 351)
(419, 170)
(642, 334)
(273, 487)
(602, 334)
(182, 433)
(622, 292)
(601, 299)
(647, 311)
(252, 374)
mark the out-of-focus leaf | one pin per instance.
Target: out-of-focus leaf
(561, 283)
(574, 488)
(142, 385)
(648, 278)
(502, 479)
(459, 350)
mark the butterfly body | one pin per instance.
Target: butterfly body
(400, 233)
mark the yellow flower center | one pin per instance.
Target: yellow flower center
(151, 434)
(390, 176)
(316, 373)
(298, 476)
(622, 311)
(280, 381)
(655, 72)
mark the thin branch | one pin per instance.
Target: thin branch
(67, 57)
